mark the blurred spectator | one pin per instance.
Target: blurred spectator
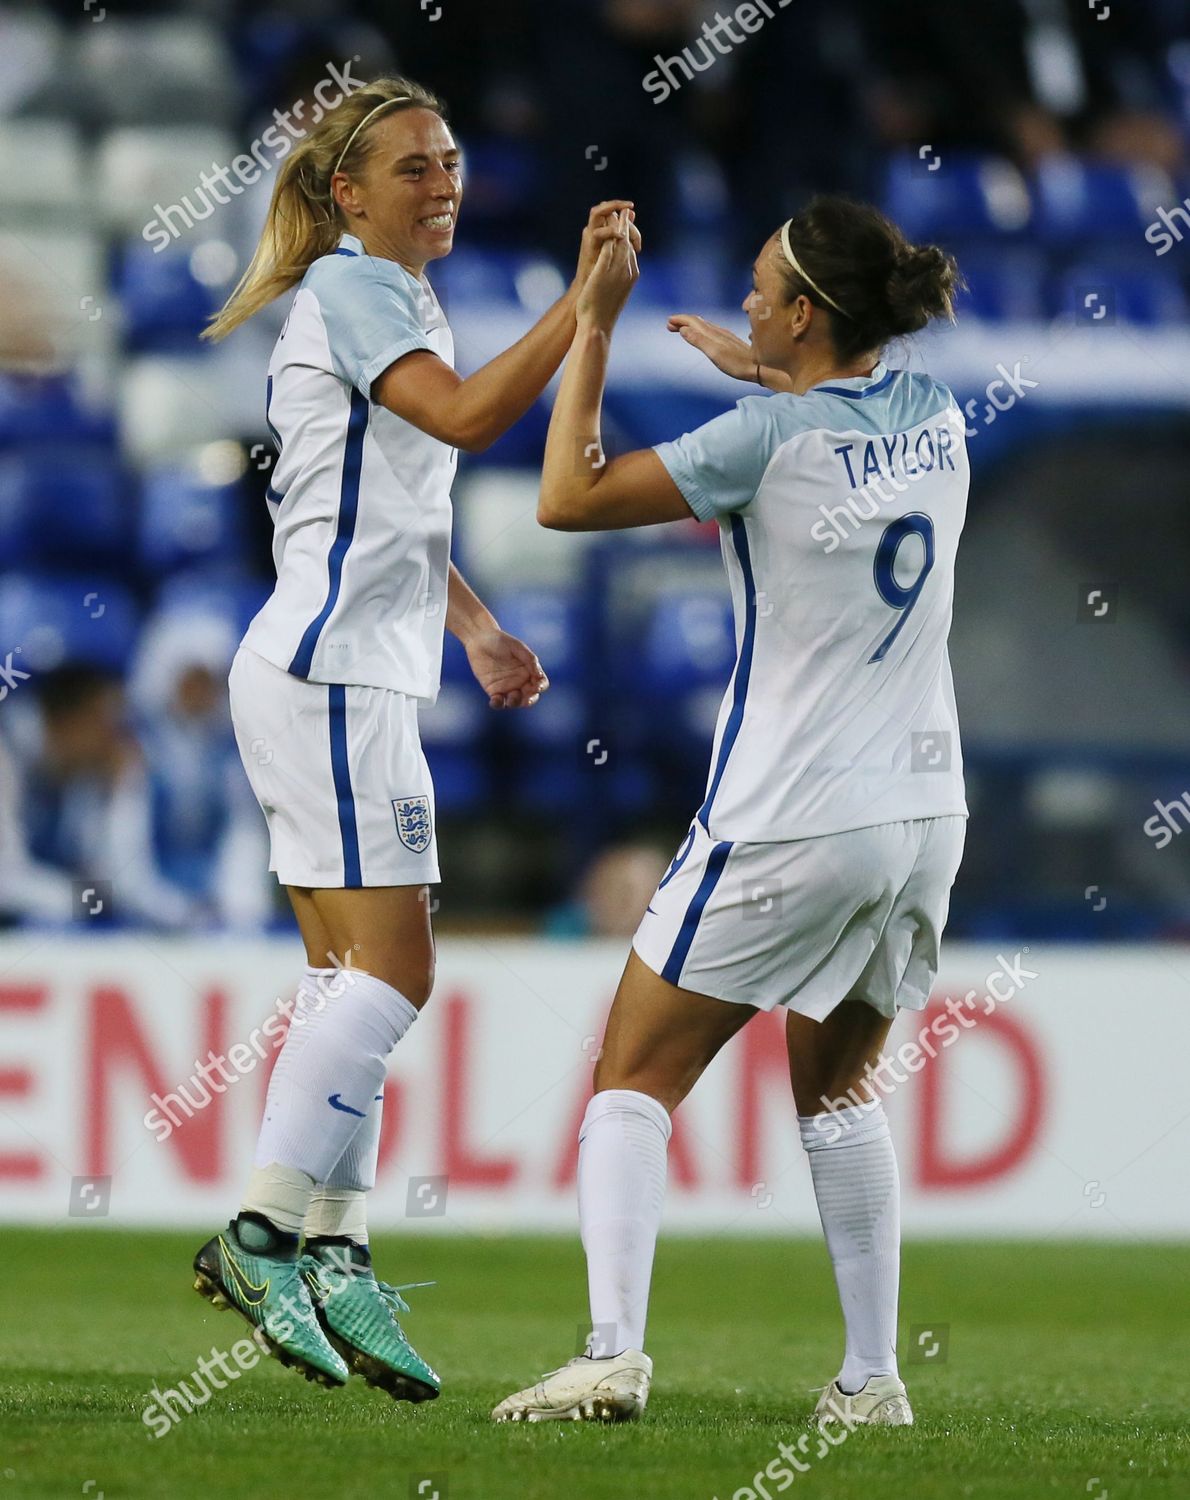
(84, 796)
(29, 889)
(612, 894)
(1024, 77)
(209, 839)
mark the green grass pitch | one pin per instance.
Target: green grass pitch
(1066, 1374)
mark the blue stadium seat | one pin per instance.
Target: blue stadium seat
(49, 618)
(18, 538)
(503, 175)
(462, 781)
(553, 623)
(473, 275)
(1005, 286)
(544, 772)
(51, 409)
(165, 305)
(267, 45)
(220, 591)
(185, 521)
(523, 445)
(965, 196)
(453, 731)
(1079, 200)
(644, 415)
(549, 781)
(63, 506)
(703, 199)
(688, 283)
(686, 656)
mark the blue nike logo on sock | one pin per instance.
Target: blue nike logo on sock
(336, 1102)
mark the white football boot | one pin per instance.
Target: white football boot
(585, 1390)
(881, 1402)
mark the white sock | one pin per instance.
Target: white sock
(623, 1142)
(859, 1202)
(339, 1205)
(329, 1072)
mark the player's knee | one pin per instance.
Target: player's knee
(653, 1081)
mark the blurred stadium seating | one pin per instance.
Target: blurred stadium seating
(149, 451)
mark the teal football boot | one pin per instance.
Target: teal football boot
(263, 1280)
(359, 1316)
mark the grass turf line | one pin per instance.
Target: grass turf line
(1066, 1375)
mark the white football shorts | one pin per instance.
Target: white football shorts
(808, 923)
(340, 776)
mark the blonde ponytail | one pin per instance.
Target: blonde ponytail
(303, 222)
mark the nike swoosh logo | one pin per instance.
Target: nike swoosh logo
(649, 908)
(252, 1294)
(336, 1102)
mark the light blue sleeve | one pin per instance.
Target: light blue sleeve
(371, 317)
(718, 467)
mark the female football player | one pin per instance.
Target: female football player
(366, 414)
(816, 874)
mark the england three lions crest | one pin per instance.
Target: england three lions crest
(413, 822)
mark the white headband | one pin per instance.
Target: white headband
(797, 266)
(384, 104)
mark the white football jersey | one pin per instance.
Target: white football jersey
(360, 498)
(840, 513)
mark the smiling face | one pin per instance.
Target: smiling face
(404, 202)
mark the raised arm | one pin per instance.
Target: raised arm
(579, 490)
(472, 413)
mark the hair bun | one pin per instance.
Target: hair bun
(921, 286)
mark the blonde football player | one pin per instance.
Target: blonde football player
(366, 413)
